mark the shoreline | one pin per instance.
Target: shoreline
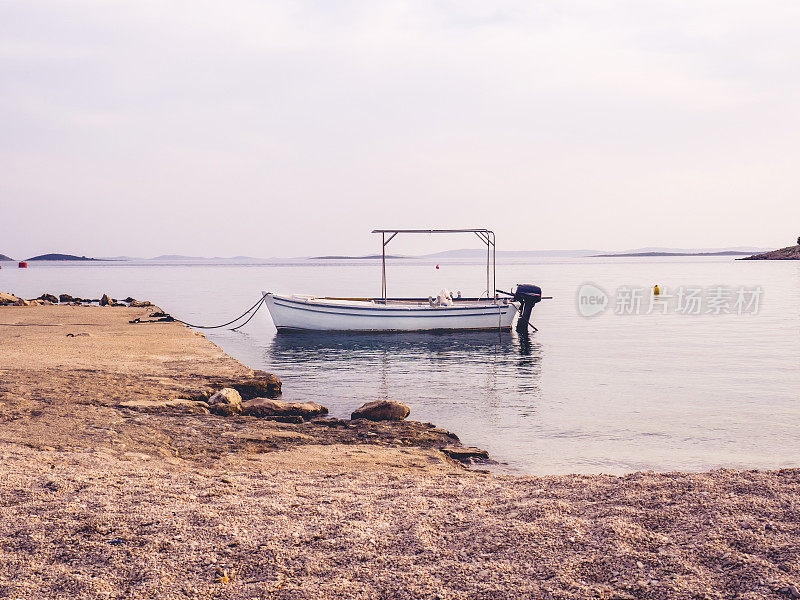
(101, 500)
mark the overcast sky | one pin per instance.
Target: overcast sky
(294, 128)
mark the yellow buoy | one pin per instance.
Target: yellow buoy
(656, 290)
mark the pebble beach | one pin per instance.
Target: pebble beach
(112, 488)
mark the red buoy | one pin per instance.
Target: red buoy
(23, 265)
(437, 266)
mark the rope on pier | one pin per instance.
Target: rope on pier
(254, 309)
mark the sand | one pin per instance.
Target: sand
(99, 501)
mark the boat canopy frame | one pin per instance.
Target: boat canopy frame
(486, 235)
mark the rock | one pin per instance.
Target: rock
(156, 406)
(327, 421)
(105, 300)
(21, 302)
(139, 303)
(294, 420)
(9, 299)
(199, 395)
(788, 253)
(226, 402)
(266, 386)
(48, 298)
(129, 299)
(464, 454)
(67, 298)
(382, 410)
(267, 407)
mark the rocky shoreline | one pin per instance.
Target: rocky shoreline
(788, 253)
(121, 478)
(249, 401)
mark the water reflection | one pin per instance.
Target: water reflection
(490, 367)
(311, 346)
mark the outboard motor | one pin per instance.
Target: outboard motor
(527, 295)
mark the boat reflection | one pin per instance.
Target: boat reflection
(465, 381)
(320, 345)
(487, 364)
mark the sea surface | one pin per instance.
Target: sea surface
(651, 388)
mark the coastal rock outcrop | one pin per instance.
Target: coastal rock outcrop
(382, 410)
(172, 405)
(10, 300)
(465, 454)
(265, 385)
(48, 298)
(788, 253)
(68, 298)
(226, 402)
(268, 407)
(105, 300)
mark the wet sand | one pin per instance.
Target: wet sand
(102, 501)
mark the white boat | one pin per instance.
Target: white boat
(298, 312)
(444, 313)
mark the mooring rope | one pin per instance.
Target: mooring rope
(253, 308)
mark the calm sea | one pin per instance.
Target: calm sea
(648, 389)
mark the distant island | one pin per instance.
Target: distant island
(354, 257)
(722, 253)
(178, 257)
(4, 257)
(788, 253)
(59, 257)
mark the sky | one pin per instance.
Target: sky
(295, 128)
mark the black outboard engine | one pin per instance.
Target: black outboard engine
(527, 295)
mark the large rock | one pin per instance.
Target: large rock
(172, 405)
(140, 303)
(48, 298)
(68, 298)
(266, 385)
(226, 402)
(788, 253)
(268, 407)
(9, 299)
(105, 300)
(382, 410)
(465, 454)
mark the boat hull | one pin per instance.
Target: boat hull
(297, 313)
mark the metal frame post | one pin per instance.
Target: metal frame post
(383, 280)
(487, 237)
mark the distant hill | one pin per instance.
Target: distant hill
(178, 257)
(688, 251)
(788, 253)
(235, 258)
(59, 257)
(355, 257)
(4, 257)
(722, 253)
(481, 253)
